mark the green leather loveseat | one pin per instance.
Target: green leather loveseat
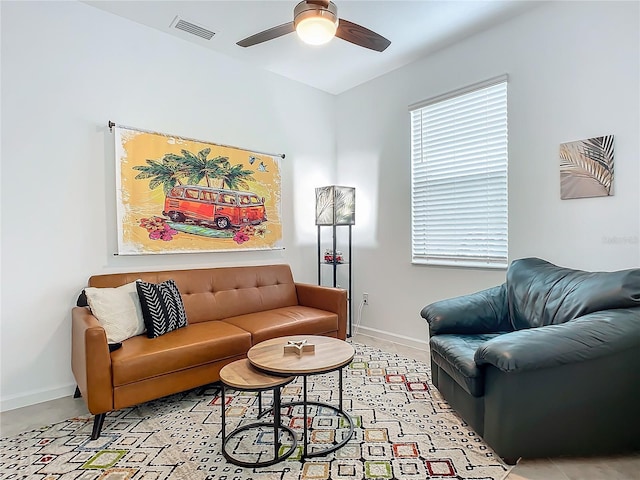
(546, 364)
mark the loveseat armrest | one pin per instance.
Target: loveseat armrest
(325, 298)
(480, 312)
(589, 337)
(91, 360)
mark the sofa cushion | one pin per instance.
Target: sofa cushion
(118, 311)
(162, 307)
(142, 358)
(219, 293)
(455, 355)
(295, 320)
(541, 293)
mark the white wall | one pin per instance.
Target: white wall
(67, 69)
(573, 74)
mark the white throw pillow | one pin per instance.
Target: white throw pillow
(118, 311)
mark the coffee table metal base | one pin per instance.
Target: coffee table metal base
(277, 429)
(305, 403)
(240, 375)
(341, 413)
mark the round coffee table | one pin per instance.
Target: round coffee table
(240, 375)
(330, 354)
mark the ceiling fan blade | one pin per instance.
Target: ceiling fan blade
(357, 34)
(266, 35)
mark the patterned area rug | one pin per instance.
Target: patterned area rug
(403, 430)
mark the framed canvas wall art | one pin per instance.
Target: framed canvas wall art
(179, 195)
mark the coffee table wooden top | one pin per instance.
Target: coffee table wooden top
(330, 354)
(241, 375)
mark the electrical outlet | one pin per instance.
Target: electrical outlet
(365, 298)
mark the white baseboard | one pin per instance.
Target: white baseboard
(392, 337)
(33, 397)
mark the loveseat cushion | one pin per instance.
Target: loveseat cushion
(590, 337)
(141, 358)
(219, 293)
(455, 355)
(541, 293)
(294, 320)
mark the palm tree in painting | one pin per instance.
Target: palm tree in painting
(199, 166)
(235, 177)
(165, 172)
(194, 168)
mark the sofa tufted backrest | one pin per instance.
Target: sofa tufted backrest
(223, 292)
(541, 293)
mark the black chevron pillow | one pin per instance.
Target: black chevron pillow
(162, 308)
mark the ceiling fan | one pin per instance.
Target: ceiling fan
(317, 22)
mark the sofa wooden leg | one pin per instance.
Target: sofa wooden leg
(510, 460)
(98, 420)
(77, 393)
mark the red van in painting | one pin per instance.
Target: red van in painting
(214, 206)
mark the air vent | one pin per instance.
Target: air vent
(192, 28)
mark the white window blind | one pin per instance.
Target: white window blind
(459, 177)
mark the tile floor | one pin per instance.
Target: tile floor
(625, 467)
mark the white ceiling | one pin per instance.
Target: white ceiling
(415, 29)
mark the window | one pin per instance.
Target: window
(207, 196)
(459, 177)
(227, 198)
(176, 192)
(191, 194)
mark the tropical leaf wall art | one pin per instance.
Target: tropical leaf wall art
(586, 168)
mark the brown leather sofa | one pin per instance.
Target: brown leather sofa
(228, 309)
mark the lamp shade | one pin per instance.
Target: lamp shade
(335, 205)
(315, 24)
(316, 30)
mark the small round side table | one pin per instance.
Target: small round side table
(241, 375)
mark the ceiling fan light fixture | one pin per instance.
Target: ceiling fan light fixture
(316, 24)
(316, 30)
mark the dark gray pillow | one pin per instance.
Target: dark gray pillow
(162, 307)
